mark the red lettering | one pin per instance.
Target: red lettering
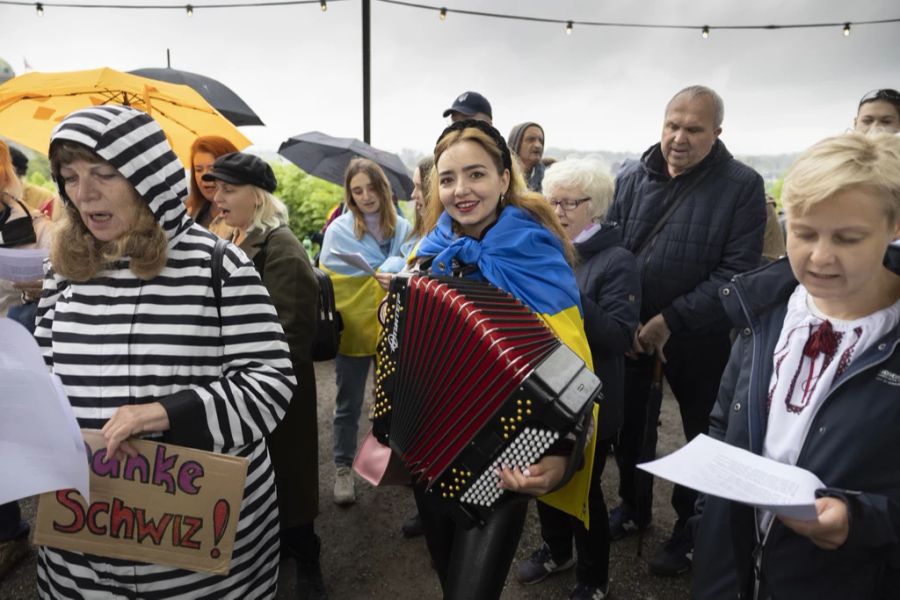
(77, 524)
(93, 509)
(150, 528)
(186, 541)
(121, 516)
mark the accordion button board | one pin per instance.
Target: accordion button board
(468, 379)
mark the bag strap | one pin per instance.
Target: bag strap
(218, 253)
(259, 260)
(673, 206)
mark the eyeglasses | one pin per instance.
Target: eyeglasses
(568, 205)
(883, 94)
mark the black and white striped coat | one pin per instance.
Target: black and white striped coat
(117, 340)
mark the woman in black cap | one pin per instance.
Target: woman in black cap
(244, 186)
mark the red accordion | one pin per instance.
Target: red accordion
(468, 379)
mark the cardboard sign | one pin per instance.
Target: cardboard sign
(169, 505)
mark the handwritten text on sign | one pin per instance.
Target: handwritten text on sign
(168, 505)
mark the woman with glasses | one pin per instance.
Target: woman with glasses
(580, 191)
(879, 109)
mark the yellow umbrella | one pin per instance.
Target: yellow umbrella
(32, 104)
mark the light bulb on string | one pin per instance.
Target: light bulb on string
(846, 29)
(569, 28)
(443, 13)
(705, 33)
(323, 5)
(39, 9)
(189, 10)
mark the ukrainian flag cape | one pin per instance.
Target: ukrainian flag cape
(521, 256)
(356, 293)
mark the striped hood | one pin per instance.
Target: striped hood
(132, 142)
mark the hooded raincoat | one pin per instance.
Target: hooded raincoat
(225, 382)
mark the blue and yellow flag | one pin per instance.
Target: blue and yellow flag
(519, 255)
(356, 293)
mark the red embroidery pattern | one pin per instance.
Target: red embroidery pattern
(780, 355)
(847, 355)
(823, 340)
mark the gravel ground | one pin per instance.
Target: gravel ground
(364, 556)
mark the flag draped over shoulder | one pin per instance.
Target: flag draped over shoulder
(356, 293)
(521, 256)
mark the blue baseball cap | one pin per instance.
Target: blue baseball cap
(470, 103)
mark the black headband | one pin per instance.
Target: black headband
(484, 127)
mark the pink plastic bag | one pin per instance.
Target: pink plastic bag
(377, 464)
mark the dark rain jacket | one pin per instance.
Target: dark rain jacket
(287, 274)
(716, 232)
(853, 446)
(610, 287)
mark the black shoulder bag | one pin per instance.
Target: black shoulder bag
(329, 325)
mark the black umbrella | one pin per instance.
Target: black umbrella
(327, 157)
(222, 98)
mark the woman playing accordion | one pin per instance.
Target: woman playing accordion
(488, 227)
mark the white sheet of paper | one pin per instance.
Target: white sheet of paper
(22, 264)
(355, 259)
(722, 470)
(40, 440)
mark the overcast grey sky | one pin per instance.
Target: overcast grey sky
(596, 89)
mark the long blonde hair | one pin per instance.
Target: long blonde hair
(517, 194)
(77, 255)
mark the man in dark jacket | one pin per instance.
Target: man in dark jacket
(693, 216)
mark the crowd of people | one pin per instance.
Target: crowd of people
(780, 338)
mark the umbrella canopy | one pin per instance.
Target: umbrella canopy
(32, 104)
(219, 95)
(327, 157)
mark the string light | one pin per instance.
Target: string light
(39, 9)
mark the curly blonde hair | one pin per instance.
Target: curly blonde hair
(77, 255)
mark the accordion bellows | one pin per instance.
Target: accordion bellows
(467, 379)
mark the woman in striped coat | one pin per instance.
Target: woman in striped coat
(128, 320)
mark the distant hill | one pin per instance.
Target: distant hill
(769, 166)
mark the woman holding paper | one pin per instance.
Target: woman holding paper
(130, 324)
(373, 230)
(813, 381)
(20, 228)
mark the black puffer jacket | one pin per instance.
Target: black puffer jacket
(716, 232)
(852, 445)
(610, 287)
